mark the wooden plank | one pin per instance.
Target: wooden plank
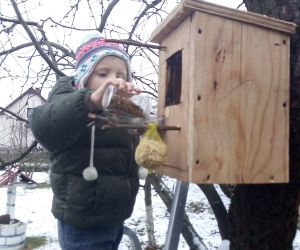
(233, 110)
(187, 7)
(242, 16)
(218, 132)
(192, 81)
(240, 126)
(266, 105)
(170, 23)
(176, 165)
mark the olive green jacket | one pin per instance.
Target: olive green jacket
(60, 126)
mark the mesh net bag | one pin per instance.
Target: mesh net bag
(151, 151)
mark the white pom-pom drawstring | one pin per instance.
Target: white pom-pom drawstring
(143, 173)
(90, 173)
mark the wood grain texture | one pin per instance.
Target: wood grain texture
(218, 129)
(175, 114)
(248, 17)
(187, 7)
(241, 121)
(234, 105)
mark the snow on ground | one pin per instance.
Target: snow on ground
(33, 206)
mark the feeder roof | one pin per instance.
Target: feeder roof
(187, 7)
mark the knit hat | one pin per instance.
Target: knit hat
(92, 50)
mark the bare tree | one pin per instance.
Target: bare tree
(37, 53)
(47, 43)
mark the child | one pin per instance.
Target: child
(90, 213)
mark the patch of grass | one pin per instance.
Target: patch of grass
(43, 185)
(34, 242)
(196, 207)
(40, 185)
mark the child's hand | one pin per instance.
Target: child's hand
(125, 89)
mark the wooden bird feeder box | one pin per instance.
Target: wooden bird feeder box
(224, 80)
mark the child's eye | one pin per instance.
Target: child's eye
(102, 74)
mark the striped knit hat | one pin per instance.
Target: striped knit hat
(93, 49)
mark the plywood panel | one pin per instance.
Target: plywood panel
(188, 7)
(240, 125)
(218, 133)
(266, 105)
(176, 164)
(233, 110)
(247, 17)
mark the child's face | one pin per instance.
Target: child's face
(109, 67)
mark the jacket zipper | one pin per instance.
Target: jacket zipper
(130, 169)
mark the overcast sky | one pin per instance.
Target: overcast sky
(9, 91)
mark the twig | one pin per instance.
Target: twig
(109, 124)
(13, 114)
(136, 43)
(50, 50)
(106, 14)
(36, 44)
(142, 14)
(25, 45)
(31, 147)
(133, 126)
(4, 19)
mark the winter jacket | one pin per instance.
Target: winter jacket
(60, 126)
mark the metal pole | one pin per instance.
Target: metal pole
(176, 216)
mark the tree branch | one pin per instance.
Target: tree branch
(106, 14)
(136, 43)
(143, 13)
(4, 19)
(31, 147)
(218, 208)
(25, 45)
(36, 44)
(45, 39)
(149, 215)
(15, 115)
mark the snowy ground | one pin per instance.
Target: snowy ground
(33, 206)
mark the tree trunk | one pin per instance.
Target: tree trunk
(265, 216)
(149, 216)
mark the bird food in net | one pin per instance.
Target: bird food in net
(151, 151)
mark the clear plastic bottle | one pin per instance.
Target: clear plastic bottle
(143, 102)
(108, 94)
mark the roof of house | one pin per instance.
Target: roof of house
(29, 91)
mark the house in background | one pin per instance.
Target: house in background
(15, 135)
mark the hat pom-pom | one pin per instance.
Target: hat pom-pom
(90, 173)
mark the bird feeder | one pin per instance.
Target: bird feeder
(224, 80)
